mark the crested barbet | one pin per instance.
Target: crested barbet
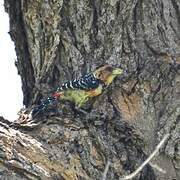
(79, 91)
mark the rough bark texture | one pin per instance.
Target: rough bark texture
(56, 40)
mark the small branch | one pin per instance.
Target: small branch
(132, 175)
(155, 166)
(106, 170)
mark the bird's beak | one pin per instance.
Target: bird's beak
(117, 71)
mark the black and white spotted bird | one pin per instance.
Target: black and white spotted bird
(80, 90)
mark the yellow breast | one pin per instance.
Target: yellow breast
(94, 92)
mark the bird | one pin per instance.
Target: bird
(79, 91)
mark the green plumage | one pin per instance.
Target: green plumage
(80, 97)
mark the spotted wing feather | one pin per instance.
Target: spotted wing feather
(86, 82)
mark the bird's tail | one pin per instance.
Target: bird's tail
(46, 106)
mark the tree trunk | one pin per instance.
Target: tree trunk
(58, 40)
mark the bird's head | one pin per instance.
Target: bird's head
(107, 73)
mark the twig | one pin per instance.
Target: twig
(105, 171)
(155, 166)
(132, 175)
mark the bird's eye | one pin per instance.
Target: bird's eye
(109, 68)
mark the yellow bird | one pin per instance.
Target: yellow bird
(90, 85)
(79, 91)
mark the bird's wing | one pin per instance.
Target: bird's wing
(86, 82)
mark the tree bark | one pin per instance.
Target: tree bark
(59, 40)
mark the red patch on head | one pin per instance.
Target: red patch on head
(57, 94)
